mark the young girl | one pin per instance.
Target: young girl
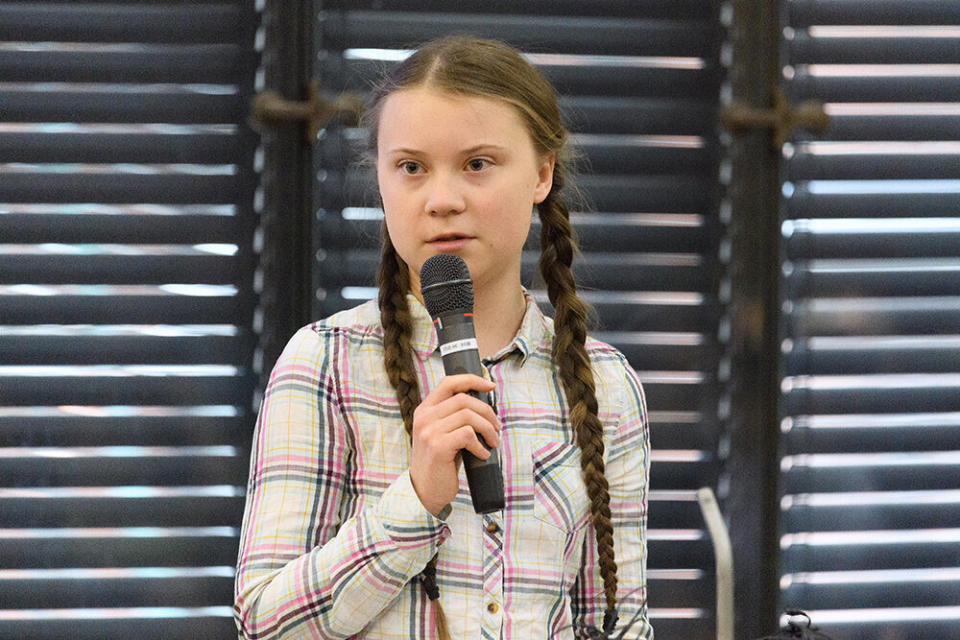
(358, 519)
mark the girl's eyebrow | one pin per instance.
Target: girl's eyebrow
(474, 149)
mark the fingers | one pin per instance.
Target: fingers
(452, 385)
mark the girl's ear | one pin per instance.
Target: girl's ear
(544, 178)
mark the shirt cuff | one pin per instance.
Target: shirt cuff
(406, 520)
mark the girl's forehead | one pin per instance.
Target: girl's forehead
(406, 109)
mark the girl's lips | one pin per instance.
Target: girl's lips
(447, 245)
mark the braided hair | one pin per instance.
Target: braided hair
(476, 67)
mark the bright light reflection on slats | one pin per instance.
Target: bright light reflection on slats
(120, 169)
(204, 491)
(116, 613)
(133, 128)
(873, 381)
(115, 330)
(882, 616)
(651, 338)
(881, 70)
(876, 420)
(880, 343)
(852, 109)
(883, 31)
(121, 411)
(672, 495)
(656, 613)
(678, 535)
(674, 574)
(886, 576)
(118, 371)
(870, 538)
(887, 265)
(220, 451)
(912, 148)
(549, 59)
(867, 187)
(888, 305)
(671, 377)
(675, 298)
(119, 573)
(98, 209)
(871, 499)
(61, 249)
(678, 417)
(121, 88)
(118, 532)
(860, 226)
(639, 141)
(858, 460)
(677, 455)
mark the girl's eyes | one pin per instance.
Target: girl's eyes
(409, 167)
(478, 164)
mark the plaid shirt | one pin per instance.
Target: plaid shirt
(334, 536)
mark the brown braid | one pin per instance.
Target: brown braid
(557, 248)
(393, 279)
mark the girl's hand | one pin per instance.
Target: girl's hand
(447, 421)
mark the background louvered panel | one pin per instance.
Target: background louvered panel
(126, 303)
(639, 83)
(870, 446)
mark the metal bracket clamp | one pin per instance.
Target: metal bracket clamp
(782, 119)
(270, 108)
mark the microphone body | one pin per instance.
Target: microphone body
(449, 300)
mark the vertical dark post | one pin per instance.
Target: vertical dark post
(287, 181)
(751, 392)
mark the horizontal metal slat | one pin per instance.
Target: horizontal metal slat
(864, 396)
(131, 349)
(693, 624)
(110, 390)
(606, 36)
(107, 468)
(635, 272)
(920, 243)
(803, 204)
(922, 592)
(865, 553)
(859, 514)
(641, 115)
(861, 48)
(865, 87)
(876, 166)
(120, 187)
(922, 432)
(928, 277)
(48, 510)
(595, 232)
(678, 396)
(147, 551)
(678, 9)
(697, 82)
(196, 22)
(107, 103)
(146, 624)
(85, 429)
(120, 309)
(42, 146)
(874, 316)
(672, 514)
(91, 228)
(803, 13)
(859, 357)
(880, 477)
(213, 63)
(844, 125)
(116, 269)
(680, 553)
(201, 591)
(682, 475)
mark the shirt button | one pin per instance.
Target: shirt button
(492, 527)
(492, 607)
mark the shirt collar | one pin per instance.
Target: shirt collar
(535, 330)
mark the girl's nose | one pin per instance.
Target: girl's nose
(444, 197)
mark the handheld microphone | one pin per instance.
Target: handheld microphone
(448, 295)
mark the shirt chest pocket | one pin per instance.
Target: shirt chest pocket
(559, 495)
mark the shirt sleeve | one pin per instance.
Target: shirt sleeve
(301, 571)
(627, 472)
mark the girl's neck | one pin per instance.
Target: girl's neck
(497, 316)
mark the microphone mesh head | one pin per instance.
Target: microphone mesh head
(445, 284)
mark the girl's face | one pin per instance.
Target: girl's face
(458, 175)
